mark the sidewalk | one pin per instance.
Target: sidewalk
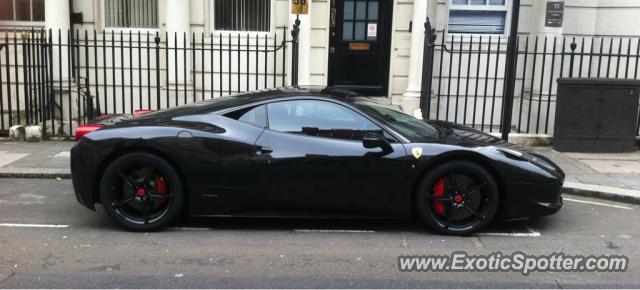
(608, 176)
(49, 159)
(602, 175)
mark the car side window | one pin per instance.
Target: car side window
(319, 119)
(256, 116)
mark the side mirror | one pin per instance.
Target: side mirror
(372, 140)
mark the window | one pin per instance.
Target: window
(131, 13)
(410, 127)
(242, 15)
(22, 10)
(319, 119)
(256, 116)
(477, 16)
(359, 18)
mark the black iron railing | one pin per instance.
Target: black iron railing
(60, 79)
(464, 76)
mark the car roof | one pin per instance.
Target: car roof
(248, 98)
(285, 92)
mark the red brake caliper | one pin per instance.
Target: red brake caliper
(438, 190)
(161, 185)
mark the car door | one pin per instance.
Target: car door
(218, 155)
(312, 158)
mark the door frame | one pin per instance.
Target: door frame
(387, 79)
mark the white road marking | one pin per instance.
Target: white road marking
(530, 234)
(9, 202)
(10, 225)
(188, 229)
(331, 231)
(597, 203)
(531, 231)
(63, 154)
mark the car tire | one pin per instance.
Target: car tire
(457, 198)
(141, 192)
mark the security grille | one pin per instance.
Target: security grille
(242, 15)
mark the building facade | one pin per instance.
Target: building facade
(372, 46)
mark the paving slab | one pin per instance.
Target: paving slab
(9, 157)
(48, 159)
(619, 170)
(613, 166)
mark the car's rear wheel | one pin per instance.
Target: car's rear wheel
(457, 198)
(141, 192)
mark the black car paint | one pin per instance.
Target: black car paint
(228, 170)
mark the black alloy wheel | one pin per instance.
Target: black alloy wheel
(141, 192)
(457, 198)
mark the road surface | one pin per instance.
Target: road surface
(48, 240)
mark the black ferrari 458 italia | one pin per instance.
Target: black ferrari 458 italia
(305, 152)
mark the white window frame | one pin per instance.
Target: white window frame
(22, 23)
(272, 22)
(466, 36)
(134, 30)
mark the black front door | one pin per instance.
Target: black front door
(315, 160)
(359, 45)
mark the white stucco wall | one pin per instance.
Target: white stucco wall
(200, 19)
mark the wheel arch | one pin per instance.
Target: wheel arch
(473, 157)
(135, 149)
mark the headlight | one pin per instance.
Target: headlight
(525, 156)
(542, 163)
(515, 153)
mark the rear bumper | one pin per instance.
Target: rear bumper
(82, 174)
(528, 200)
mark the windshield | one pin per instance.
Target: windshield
(410, 127)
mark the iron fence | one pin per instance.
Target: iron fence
(60, 79)
(464, 76)
(23, 78)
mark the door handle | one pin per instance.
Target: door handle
(263, 150)
(333, 18)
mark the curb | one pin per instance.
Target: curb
(34, 173)
(602, 192)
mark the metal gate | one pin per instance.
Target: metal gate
(464, 76)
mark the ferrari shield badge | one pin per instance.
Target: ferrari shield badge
(417, 152)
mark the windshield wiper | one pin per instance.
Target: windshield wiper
(390, 118)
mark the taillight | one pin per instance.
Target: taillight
(86, 129)
(138, 113)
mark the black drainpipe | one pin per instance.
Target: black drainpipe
(75, 18)
(72, 41)
(510, 71)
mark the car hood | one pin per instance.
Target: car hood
(463, 135)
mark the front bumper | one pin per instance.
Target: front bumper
(528, 200)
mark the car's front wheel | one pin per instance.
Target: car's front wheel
(141, 192)
(457, 198)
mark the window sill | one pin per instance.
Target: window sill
(467, 37)
(21, 24)
(133, 30)
(243, 33)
